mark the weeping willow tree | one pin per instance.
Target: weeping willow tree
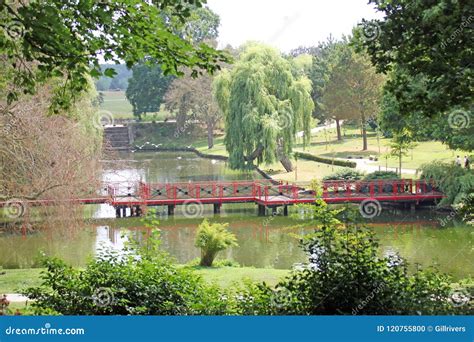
(265, 101)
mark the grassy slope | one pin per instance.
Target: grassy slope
(351, 145)
(222, 276)
(117, 103)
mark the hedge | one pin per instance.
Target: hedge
(324, 160)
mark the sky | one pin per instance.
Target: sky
(288, 24)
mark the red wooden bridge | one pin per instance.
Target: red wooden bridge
(264, 193)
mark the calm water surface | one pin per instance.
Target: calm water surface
(263, 241)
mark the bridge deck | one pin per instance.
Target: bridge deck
(267, 193)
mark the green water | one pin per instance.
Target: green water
(263, 241)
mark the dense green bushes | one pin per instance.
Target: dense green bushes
(143, 281)
(351, 174)
(319, 159)
(345, 174)
(345, 274)
(453, 180)
(381, 175)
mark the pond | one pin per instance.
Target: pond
(263, 241)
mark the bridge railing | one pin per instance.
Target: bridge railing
(199, 190)
(265, 190)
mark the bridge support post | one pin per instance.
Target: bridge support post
(171, 209)
(124, 211)
(285, 210)
(117, 212)
(274, 211)
(261, 210)
(217, 208)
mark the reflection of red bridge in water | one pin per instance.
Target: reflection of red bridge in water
(264, 193)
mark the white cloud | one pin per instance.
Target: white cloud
(288, 24)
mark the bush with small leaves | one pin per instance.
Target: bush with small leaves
(140, 282)
(346, 275)
(381, 175)
(344, 174)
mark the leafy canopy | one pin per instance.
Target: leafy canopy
(68, 38)
(426, 49)
(427, 41)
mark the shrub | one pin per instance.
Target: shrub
(142, 282)
(213, 238)
(454, 181)
(344, 174)
(345, 275)
(466, 209)
(381, 175)
(319, 159)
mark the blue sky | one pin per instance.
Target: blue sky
(288, 24)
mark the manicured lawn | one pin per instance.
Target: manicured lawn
(116, 102)
(222, 276)
(19, 278)
(326, 144)
(226, 276)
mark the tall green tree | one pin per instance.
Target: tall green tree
(427, 48)
(319, 71)
(334, 100)
(353, 89)
(402, 142)
(146, 88)
(194, 95)
(149, 84)
(69, 38)
(264, 105)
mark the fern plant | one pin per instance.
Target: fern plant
(213, 238)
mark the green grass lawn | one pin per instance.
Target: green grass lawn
(226, 276)
(15, 279)
(326, 144)
(116, 102)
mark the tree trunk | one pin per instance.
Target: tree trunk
(207, 258)
(400, 162)
(210, 136)
(255, 154)
(284, 160)
(338, 129)
(364, 132)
